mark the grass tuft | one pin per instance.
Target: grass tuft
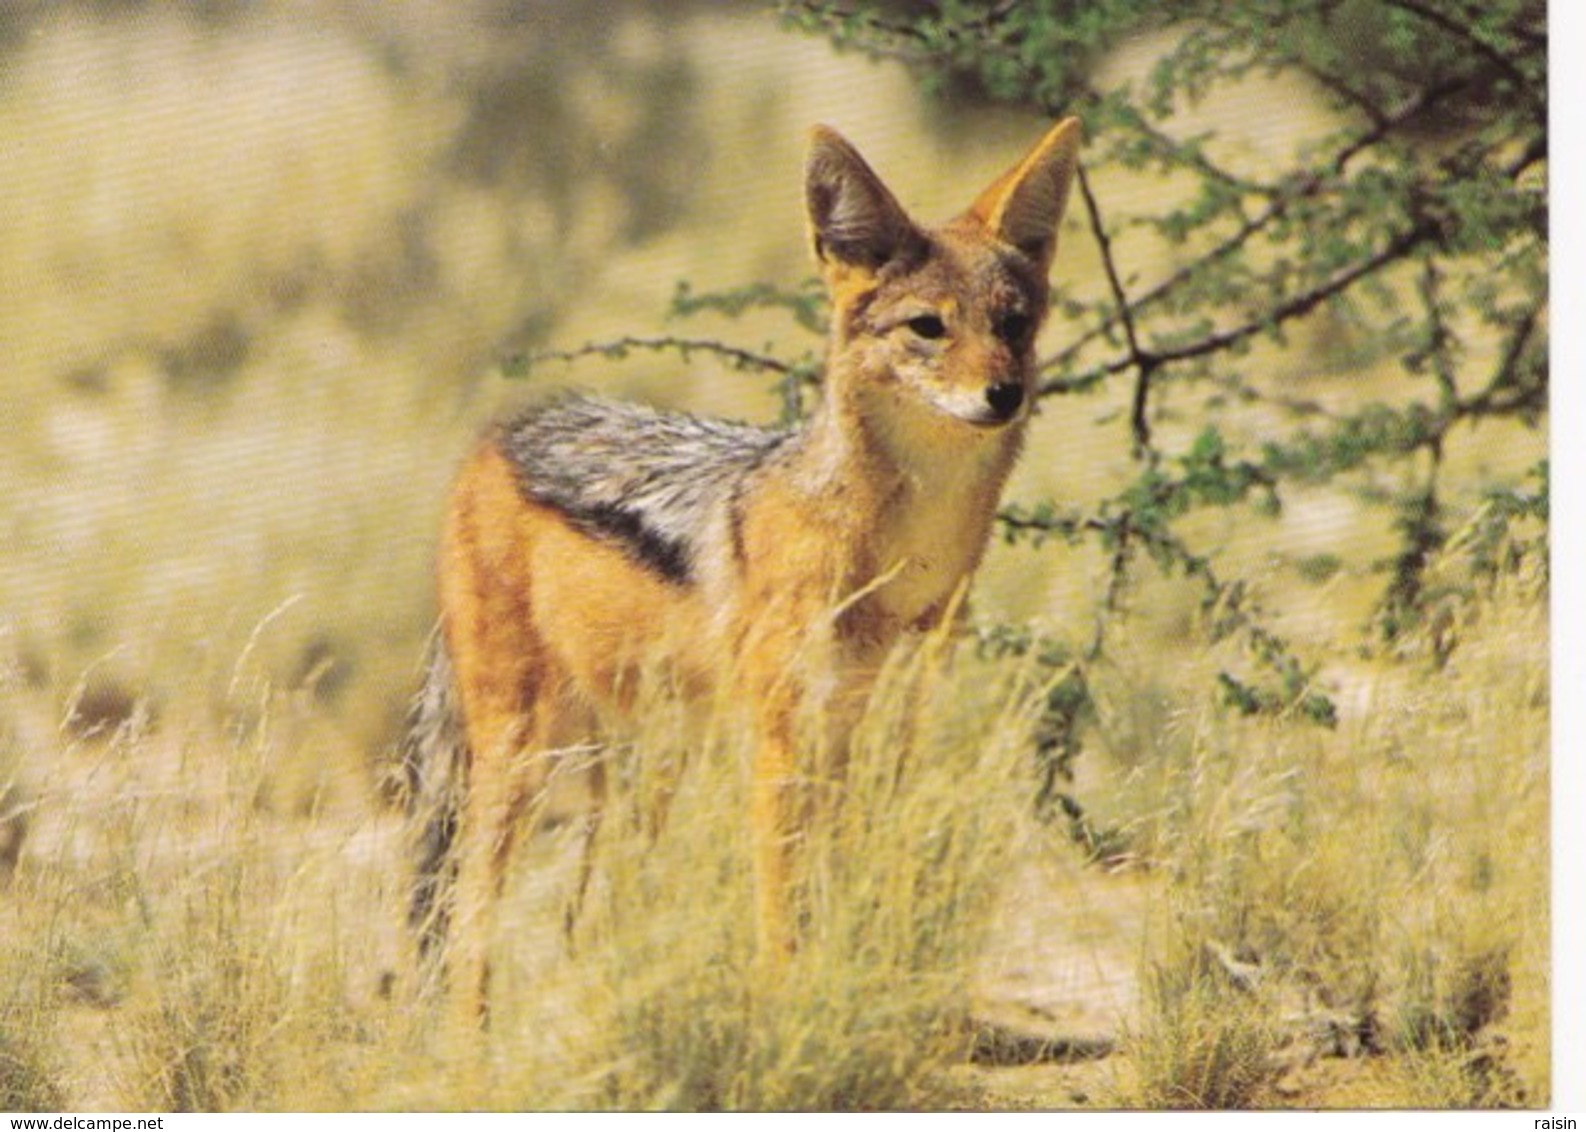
(1207, 1042)
(31, 1070)
(670, 1008)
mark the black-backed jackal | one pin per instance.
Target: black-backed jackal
(586, 539)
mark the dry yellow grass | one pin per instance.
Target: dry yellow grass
(186, 931)
(176, 938)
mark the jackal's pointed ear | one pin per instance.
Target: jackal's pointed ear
(1024, 206)
(854, 218)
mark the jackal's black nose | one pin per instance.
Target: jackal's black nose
(1005, 399)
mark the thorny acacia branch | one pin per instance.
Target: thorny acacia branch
(520, 365)
(1302, 187)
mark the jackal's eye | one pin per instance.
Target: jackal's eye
(1014, 328)
(927, 325)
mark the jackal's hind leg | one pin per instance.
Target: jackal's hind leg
(586, 853)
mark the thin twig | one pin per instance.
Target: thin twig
(1144, 363)
(617, 347)
(1294, 307)
(1487, 403)
(1305, 302)
(1441, 339)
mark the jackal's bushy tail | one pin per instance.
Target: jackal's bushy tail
(434, 766)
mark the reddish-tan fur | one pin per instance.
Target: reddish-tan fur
(865, 526)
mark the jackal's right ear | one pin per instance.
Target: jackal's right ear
(855, 219)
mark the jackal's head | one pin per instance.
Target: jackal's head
(939, 319)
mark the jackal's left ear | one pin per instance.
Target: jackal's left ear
(1024, 206)
(854, 218)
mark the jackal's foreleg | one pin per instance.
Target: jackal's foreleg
(773, 806)
(776, 659)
